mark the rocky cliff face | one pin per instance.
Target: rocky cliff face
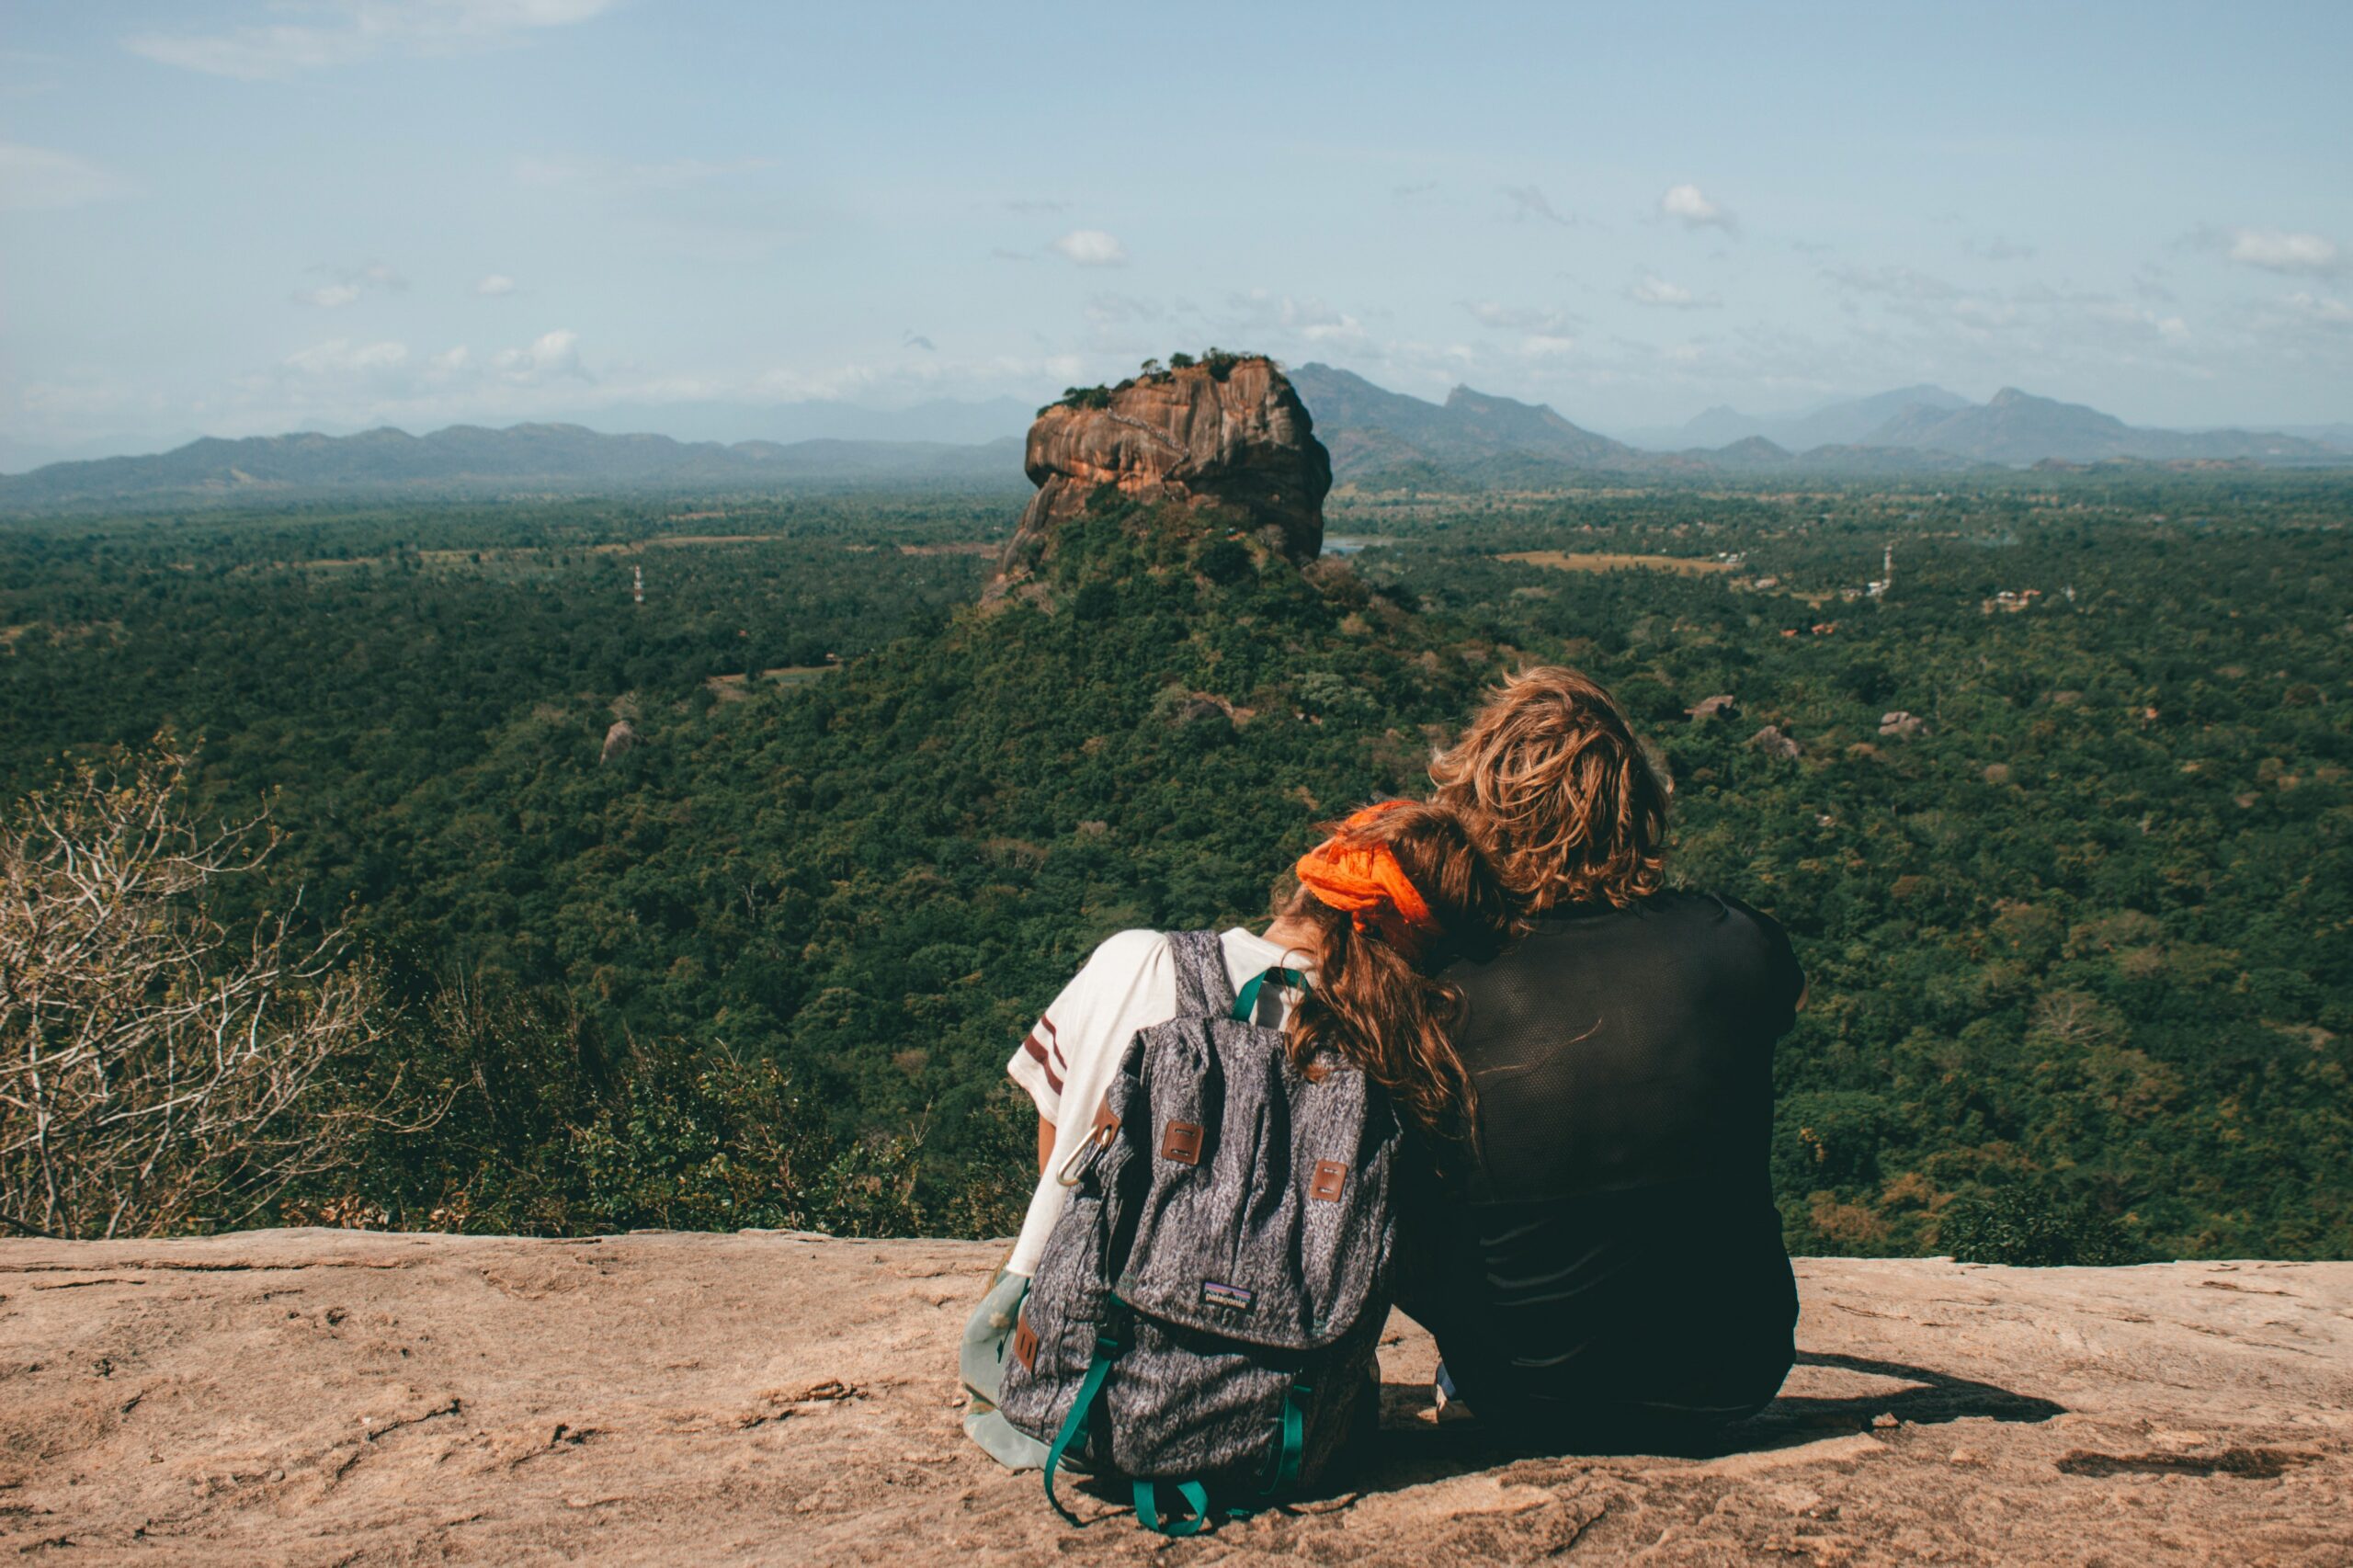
(334, 1397)
(1235, 437)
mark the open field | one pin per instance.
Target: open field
(1582, 560)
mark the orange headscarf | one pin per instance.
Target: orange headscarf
(1363, 879)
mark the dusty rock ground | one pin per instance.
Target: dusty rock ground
(334, 1397)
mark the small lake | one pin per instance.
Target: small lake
(1351, 544)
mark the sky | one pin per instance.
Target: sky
(241, 217)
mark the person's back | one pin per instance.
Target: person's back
(1608, 1262)
(1602, 1265)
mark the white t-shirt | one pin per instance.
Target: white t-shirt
(1128, 984)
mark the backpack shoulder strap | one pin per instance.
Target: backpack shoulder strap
(1204, 988)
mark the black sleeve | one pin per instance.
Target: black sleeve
(1784, 982)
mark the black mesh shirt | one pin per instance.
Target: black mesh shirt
(1609, 1257)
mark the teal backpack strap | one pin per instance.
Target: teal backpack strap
(1074, 1430)
(1148, 1508)
(1245, 1005)
(1294, 1440)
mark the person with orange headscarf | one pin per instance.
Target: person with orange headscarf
(1388, 899)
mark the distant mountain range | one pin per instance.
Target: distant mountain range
(1378, 439)
(1378, 436)
(1375, 434)
(1844, 424)
(472, 460)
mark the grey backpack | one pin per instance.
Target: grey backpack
(1205, 1315)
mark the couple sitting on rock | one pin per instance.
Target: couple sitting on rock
(1560, 1161)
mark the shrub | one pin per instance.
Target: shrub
(2033, 1227)
(159, 1071)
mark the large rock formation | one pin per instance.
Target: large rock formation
(1232, 435)
(321, 1397)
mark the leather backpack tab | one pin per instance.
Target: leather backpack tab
(1182, 1142)
(1331, 1180)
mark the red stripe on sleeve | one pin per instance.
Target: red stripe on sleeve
(1037, 1054)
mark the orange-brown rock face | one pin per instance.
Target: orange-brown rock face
(1242, 441)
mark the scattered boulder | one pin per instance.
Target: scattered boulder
(1902, 724)
(1709, 708)
(1772, 743)
(1231, 433)
(622, 737)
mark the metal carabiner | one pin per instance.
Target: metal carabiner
(1098, 1138)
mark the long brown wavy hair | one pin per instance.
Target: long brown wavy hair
(1380, 1004)
(1550, 776)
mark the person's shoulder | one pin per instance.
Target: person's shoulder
(1717, 907)
(1756, 936)
(1126, 952)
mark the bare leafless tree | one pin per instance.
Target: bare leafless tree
(160, 1073)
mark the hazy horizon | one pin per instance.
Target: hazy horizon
(244, 218)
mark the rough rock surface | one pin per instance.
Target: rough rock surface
(338, 1397)
(1240, 438)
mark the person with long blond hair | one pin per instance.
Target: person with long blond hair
(1391, 898)
(1606, 1268)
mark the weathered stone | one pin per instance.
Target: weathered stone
(1902, 724)
(1709, 708)
(314, 1396)
(619, 739)
(1772, 743)
(1238, 437)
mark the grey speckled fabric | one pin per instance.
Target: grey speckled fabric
(1233, 1236)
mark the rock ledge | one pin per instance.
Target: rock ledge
(339, 1397)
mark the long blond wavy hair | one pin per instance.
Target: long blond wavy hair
(1549, 774)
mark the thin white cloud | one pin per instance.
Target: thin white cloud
(352, 30)
(1998, 248)
(1261, 313)
(1518, 318)
(341, 358)
(1660, 294)
(36, 179)
(2279, 250)
(552, 355)
(345, 285)
(2323, 309)
(1091, 247)
(617, 176)
(1691, 207)
(1894, 281)
(1111, 310)
(494, 284)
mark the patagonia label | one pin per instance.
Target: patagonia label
(1214, 1294)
